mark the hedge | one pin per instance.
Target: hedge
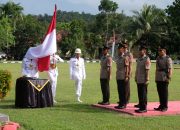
(5, 83)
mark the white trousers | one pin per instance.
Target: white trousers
(53, 80)
(53, 85)
(78, 85)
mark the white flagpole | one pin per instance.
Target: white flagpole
(113, 44)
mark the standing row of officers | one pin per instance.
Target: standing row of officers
(123, 74)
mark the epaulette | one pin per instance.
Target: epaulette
(167, 57)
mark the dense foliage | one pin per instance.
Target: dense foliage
(150, 26)
(5, 83)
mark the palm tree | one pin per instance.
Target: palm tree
(150, 24)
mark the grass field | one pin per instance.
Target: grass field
(67, 114)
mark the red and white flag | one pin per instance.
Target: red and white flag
(48, 47)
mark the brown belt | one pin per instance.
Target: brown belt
(53, 66)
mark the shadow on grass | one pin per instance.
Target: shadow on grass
(86, 108)
(7, 104)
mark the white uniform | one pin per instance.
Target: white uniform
(29, 68)
(53, 72)
(77, 73)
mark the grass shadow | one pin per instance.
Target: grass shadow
(76, 107)
(7, 104)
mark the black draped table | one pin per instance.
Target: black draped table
(33, 93)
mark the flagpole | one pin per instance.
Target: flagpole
(113, 45)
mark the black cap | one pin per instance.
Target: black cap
(162, 47)
(105, 47)
(121, 46)
(143, 47)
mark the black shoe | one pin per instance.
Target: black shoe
(137, 106)
(141, 111)
(120, 107)
(103, 103)
(164, 109)
(158, 109)
(100, 103)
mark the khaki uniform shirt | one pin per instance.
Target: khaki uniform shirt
(162, 65)
(106, 62)
(130, 56)
(121, 63)
(143, 64)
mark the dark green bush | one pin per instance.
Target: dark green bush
(5, 83)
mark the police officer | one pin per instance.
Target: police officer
(122, 76)
(77, 72)
(163, 77)
(30, 68)
(53, 73)
(105, 75)
(142, 78)
(130, 57)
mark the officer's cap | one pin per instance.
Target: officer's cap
(143, 47)
(105, 47)
(162, 47)
(125, 43)
(121, 46)
(78, 51)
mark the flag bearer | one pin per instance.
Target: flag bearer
(53, 73)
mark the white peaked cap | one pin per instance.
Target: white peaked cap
(78, 50)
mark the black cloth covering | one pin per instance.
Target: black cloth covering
(33, 93)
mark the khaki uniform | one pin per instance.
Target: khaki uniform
(122, 65)
(106, 63)
(163, 64)
(143, 64)
(130, 57)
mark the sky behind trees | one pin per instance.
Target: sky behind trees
(87, 6)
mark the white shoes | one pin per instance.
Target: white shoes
(54, 101)
(78, 99)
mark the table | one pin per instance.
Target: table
(33, 93)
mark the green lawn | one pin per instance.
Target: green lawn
(70, 115)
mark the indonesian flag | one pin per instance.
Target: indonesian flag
(48, 47)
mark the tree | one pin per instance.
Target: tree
(6, 34)
(150, 25)
(12, 11)
(173, 12)
(107, 8)
(30, 32)
(93, 42)
(74, 39)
